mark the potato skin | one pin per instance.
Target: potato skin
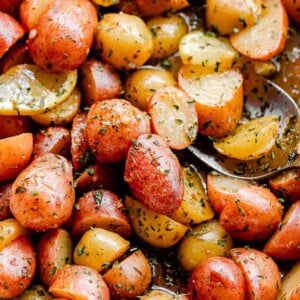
(56, 140)
(14, 125)
(284, 243)
(253, 215)
(63, 35)
(54, 251)
(11, 32)
(100, 208)
(5, 190)
(79, 282)
(153, 173)
(130, 278)
(17, 267)
(217, 278)
(111, 127)
(43, 195)
(261, 273)
(99, 81)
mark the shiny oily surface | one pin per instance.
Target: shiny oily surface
(262, 97)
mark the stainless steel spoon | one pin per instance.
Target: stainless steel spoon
(262, 97)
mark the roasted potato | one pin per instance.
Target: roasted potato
(154, 174)
(60, 46)
(43, 194)
(112, 126)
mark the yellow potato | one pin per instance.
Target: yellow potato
(198, 48)
(230, 16)
(98, 249)
(125, 40)
(195, 207)
(203, 241)
(106, 3)
(166, 33)
(155, 229)
(251, 140)
(142, 84)
(10, 229)
(28, 90)
(61, 114)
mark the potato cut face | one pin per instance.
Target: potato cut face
(213, 89)
(196, 48)
(28, 90)
(251, 140)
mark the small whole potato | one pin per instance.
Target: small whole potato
(43, 195)
(62, 38)
(154, 175)
(217, 278)
(112, 125)
(142, 84)
(125, 40)
(166, 32)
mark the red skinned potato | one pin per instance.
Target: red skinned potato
(79, 282)
(14, 125)
(253, 214)
(31, 11)
(11, 32)
(43, 195)
(10, 7)
(99, 81)
(112, 125)
(15, 154)
(153, 173)
(221, 188)
(174, 117)
(107, 176)
(54, 251)
(5, 190)
(80, 148)
(100, 208)
(17, 267)
(287, 184)
(293, 9)
(16, 55)
(217, 278)
(284, 243)
(130, 278)
(62, 38)
(261, 273)
(56, 140)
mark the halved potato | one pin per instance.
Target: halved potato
(197, 48)
(229, 16)
(251, 140)
(218, 98)
(63, 113)
(194, 207)
(267, 36)
(155, 229)
(28, 90)
(99, 248)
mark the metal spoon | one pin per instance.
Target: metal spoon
(262, 97)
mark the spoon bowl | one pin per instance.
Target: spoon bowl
(261, 97)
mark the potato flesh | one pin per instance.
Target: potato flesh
(196, 48)
(227, 16)
(214, 89)
(28, 90)
(251, 140)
